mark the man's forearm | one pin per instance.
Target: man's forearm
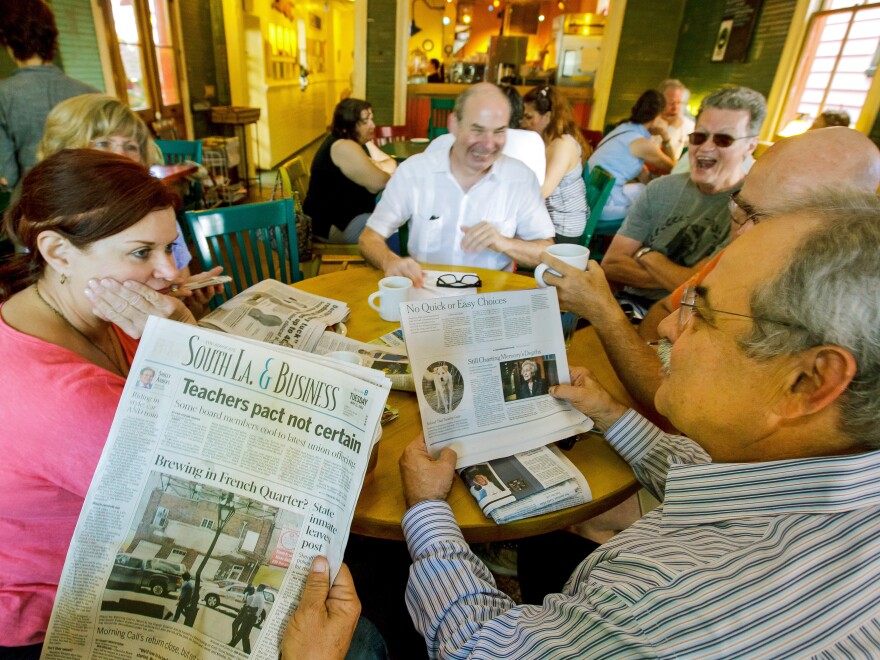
(525, 253)
(626, 270)
(635, 363)
(666, 272)
(375, 250)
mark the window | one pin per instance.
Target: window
(207, 523)
(160, 518)
(144, 57)
(837, 63)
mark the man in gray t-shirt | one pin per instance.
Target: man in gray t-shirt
(672, 217)
(681, 219)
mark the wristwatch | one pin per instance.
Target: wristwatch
(641, 252)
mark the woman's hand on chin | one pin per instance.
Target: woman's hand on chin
(128, 305)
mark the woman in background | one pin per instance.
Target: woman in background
(98, 231)
(625, 150)
(347, 173)
(549, 113)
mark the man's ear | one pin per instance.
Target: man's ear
(452, 123)
(56, 250)
(820, 376)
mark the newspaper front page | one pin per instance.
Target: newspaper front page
(483, 365)
(277, 313)
(232, 460)
(526, 484)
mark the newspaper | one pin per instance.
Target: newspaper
(526, 484)
(274, 312)
(234, 460)
(470, 354)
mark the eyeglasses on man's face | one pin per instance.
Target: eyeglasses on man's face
(690, 307)
(459, 281)
(722, 140)
(741, 211)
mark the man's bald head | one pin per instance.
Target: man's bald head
(484, 92)
(798, 165)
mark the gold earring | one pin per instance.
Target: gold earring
(63, 278)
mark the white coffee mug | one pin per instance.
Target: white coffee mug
(571, 253)
(345, 356)
(392, 291)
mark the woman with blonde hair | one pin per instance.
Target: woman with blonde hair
(99, 121)
(549, 113)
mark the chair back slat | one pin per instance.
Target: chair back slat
(252, 242)
(177, 151)
(599, 184)
(386, 134)
(440, 109)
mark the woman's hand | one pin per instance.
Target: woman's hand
(128, 305)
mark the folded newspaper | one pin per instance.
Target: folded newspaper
(484, 364)
(279, 314)
(229, 466)
(526, 484)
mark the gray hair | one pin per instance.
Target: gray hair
(738, 98)
(532, 366)
(671, 83)
(827, 292)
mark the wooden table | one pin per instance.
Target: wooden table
(173, 173)
(381, 505)
(401, 150)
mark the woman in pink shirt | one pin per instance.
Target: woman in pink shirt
(98, 231)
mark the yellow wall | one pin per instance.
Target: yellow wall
(290, 118)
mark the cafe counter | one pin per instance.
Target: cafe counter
(418, 102)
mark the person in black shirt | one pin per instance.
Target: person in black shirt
(347, 173)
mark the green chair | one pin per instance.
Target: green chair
(440, 109)
(177, 151)
(252, 242)
(599, 184)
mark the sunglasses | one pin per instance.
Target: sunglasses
(722, 140)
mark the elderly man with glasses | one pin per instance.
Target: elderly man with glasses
(681, 219)
(785, 173)
(765, 544)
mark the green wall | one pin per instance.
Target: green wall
(381, 28)
(648, 40)
(77, 42)
(693, 65)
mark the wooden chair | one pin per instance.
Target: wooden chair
(386, 134)
(599, 183)
(252, 242)
(440, 109)
(295, 178)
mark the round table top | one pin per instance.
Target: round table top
(381, 505)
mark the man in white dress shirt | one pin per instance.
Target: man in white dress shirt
(470, 206)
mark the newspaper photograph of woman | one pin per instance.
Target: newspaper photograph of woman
(443, 387)
(530, 377)
(197, 555)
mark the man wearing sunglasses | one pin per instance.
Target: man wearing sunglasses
(765, 544)
(681, 219)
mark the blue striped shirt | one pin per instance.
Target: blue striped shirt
(778, 559)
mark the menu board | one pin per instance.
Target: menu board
(735, 30)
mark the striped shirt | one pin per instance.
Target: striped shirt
(778, 559)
